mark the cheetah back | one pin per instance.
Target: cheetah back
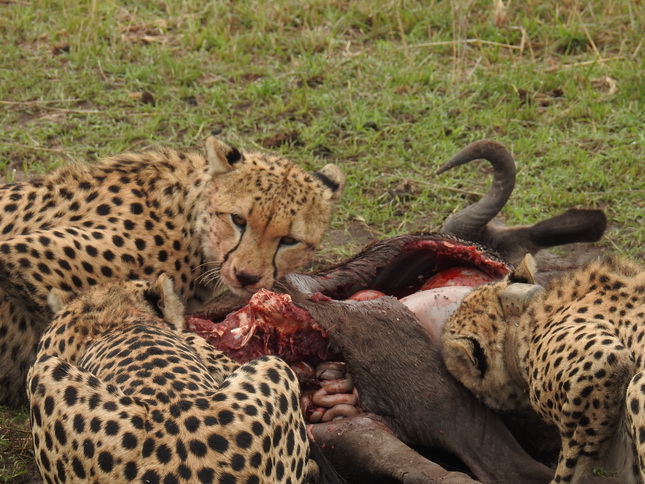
(140, 399)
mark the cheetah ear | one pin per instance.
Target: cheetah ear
(57, 299)
(333, 178)
(525, 271)
(516, 298)
(464, 356)
(169, 302)
(221, 156)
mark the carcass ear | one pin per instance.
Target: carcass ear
(221, 156)
(525, 271)
(58, 299)
(464, 356)
(332, 178)
(168, 301)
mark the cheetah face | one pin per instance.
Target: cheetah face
(266, 217)
(475, 339)
(473, 349)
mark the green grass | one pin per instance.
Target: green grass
(387, 89)
(15, 444)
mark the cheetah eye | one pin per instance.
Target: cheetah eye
(288, 241)
(479, 356)
(238, 220)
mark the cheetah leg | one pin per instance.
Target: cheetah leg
(591, 413)
(635, 421)
(259, 407)
(71, 412)
(573, 467)
(580, 449)
(19, 335)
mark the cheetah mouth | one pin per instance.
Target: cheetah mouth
(270, 322)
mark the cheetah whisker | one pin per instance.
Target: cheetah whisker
(206, 264)
(210, 276)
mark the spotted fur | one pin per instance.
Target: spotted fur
(120, 392)
(580, 349)
(208, 217)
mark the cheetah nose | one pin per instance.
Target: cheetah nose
(246, 279)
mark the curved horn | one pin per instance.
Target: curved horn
(469, 222)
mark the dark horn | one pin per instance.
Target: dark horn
(469, 222)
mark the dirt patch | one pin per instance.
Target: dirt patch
(554, 264)
(289, 138)
(31, 477)
(341, 243)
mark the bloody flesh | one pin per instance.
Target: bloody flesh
(270, 324)
(420, 260)
(457, 276)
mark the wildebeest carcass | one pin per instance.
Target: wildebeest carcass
(407, 397)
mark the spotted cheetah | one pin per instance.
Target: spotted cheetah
(211, 216)
(574, 352)
(120, 392)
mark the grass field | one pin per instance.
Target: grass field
(386, 89)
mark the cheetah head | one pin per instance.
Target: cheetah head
(265, 216)
(115, 302)
(475, 342)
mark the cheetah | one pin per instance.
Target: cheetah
(121, 392)
(575, 352)
(211, 217)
